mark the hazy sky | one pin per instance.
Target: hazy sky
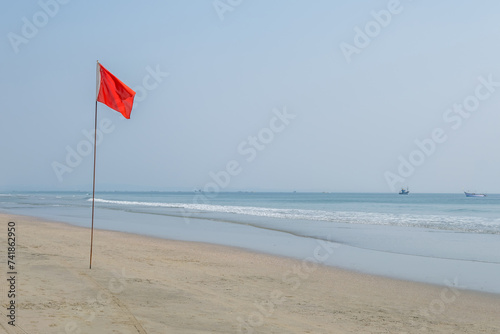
(253, 95)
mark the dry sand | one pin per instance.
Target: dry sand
(146, 285)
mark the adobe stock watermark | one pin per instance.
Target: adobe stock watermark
(31, 26)
(76, 154)
(294, 279)
(371, 29)
(453, 118)
(223, 6)
(438, 305)
(248, 150)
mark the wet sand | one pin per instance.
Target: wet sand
(146, 285)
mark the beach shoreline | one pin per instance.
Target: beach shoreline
(152, 285)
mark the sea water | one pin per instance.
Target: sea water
(435, 238)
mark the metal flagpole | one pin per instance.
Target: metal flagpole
(93, 181)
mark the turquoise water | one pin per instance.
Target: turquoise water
(453, 212)
(434, 238)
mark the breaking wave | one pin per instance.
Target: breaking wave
(441, 222)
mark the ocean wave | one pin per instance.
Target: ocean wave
(441, 222)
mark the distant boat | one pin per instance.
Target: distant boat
(404, 191)
(473, 194)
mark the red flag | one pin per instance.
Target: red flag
(114, 93)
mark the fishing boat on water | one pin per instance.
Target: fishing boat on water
(404, 191)
(469, 194)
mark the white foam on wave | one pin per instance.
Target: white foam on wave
(442, 222)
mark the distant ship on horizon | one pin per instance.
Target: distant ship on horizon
(404, 191)
(469, 194)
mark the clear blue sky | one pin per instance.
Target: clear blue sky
(353, 118)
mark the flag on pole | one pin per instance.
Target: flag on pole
(118, 96)
(114, 93)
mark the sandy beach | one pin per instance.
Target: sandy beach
(146, 285)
